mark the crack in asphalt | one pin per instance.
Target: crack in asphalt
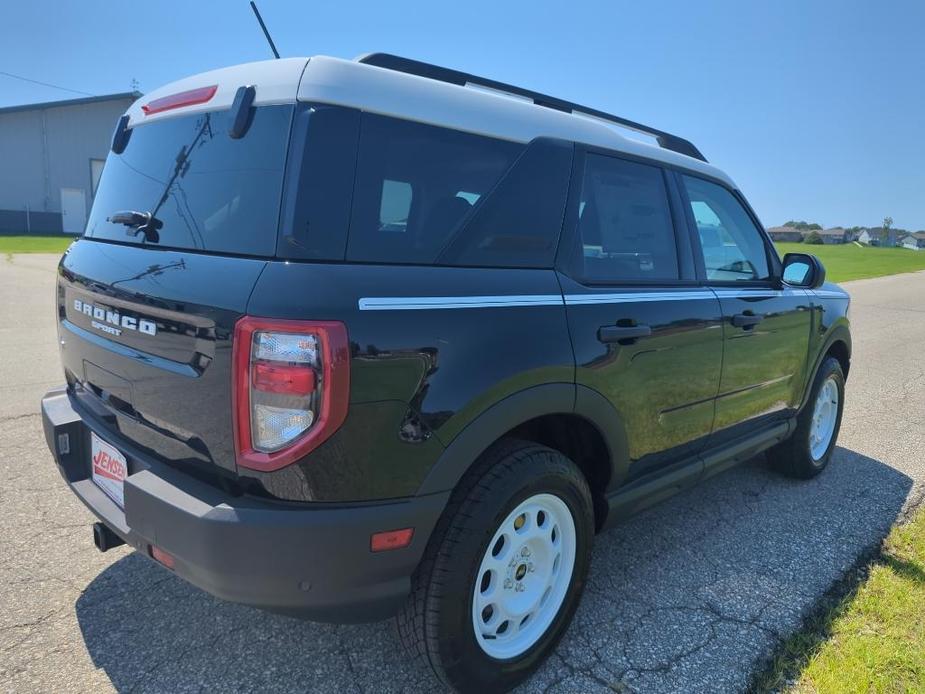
(15, 417)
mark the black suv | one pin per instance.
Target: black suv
(350, 339)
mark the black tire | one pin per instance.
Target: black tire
(436, 624)
(794, 457)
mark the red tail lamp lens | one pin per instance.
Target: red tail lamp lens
(291, 388)
(273, 378)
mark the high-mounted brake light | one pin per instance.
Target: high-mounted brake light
(291, 387)
(188, 98)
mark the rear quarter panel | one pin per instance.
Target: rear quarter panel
(417, 376)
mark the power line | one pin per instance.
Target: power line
(44, 84)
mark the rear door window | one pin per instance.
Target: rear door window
(209, 192)
(416, 184)
(625, 230)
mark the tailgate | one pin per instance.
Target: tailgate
(145, 340)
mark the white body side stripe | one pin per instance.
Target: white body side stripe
(414, 303)
(634, 297)
(829, 294)
(731, 292)
(417, 303)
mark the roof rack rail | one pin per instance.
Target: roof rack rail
(421, 69)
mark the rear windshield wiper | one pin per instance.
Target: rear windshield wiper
(138, 222)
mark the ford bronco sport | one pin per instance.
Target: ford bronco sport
(352, 339)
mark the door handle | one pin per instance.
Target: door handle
(621, 333)
(746, 320)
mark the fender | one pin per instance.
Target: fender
(520, 407)
(839, 332)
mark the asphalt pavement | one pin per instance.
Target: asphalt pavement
(691, 595)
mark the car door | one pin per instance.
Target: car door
(645, 333)
(766, 325)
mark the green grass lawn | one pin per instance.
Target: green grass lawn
(873, 640)
(850, 262)
(34, 244)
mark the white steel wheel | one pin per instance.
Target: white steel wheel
(825, 417)
(524, 576)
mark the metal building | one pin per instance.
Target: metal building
(51, 157)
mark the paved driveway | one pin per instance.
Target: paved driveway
(689, 596)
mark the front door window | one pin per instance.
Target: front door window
(733, 247)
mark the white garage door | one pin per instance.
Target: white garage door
(73, 210)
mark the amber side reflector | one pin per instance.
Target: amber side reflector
(391, 539)
(160, 556)
(180, 99)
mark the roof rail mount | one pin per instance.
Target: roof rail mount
(442, 74)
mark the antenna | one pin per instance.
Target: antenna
(264, 27)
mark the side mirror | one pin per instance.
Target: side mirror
(803, 270)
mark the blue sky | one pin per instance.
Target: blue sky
(816, 109)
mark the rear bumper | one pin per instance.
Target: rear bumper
(311, 561)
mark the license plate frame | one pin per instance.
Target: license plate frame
(108, 469)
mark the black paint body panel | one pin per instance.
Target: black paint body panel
(661, 386)
(765, 366)
(170, 392)
(417, 377)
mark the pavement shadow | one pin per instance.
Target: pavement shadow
(688, 596)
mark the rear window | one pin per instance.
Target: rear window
(416, 184)
(209, 191)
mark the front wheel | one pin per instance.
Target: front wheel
(505, 569)
(808, 450)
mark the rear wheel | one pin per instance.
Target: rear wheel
(505, 569)
(524, 576)
(808, 450)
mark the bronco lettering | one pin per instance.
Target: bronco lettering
(104, 315)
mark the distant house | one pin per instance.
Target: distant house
(785, 234)
(883, 237)
(871, 237)
(833, 235)
(915, 241)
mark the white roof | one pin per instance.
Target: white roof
(276, 82)
(322, 79)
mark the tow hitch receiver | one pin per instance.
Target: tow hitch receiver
(104, 538)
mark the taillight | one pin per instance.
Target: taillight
(291, 388)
